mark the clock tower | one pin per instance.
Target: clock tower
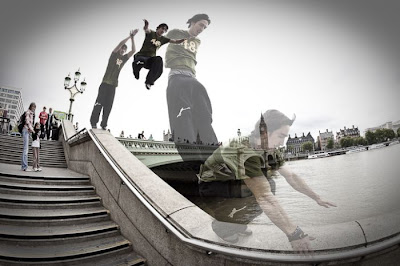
(263, 134)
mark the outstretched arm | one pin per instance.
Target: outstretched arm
(300, 185)
(261, 190)
(177, 41)
(120, 44)
(146, 26)
(131, 35)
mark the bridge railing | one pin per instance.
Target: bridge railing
(160, 145)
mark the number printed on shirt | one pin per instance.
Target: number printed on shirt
(190, 46)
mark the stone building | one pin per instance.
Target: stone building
(167, 136)
(347, 132)
(294, 145)
(389, 125)
(11, 103)
(324, 137)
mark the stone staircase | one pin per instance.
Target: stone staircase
(54, 217)
(51, 153)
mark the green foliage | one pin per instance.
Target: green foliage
(346, 142)
(389, 134)
(380, 135)
(398, 132)
(370, 137)
(330, 144)
(307, 146)
(359, 141)
(384, 134)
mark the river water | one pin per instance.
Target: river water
(362, 185)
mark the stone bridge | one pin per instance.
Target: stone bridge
(159, 153)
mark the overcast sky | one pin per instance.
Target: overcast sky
(333, 63)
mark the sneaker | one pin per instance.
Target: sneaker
(35, 170)
(103, 128)
(148, 86)
(246, 232)
(94, 126)
(27, 170)
(136, 68)
(39, 169)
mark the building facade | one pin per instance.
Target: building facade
(167, 136)
(11, 103)
(389, 125)
(263, 134)
(323, 139)
(294, 145)
(347, 132)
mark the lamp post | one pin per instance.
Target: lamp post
(239, 134)
(73, 90)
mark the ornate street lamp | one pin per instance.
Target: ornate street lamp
(239, 134)
(73, 90)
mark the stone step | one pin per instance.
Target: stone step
(49, 206)
(57, 222)
(47, 163)
(54, 220)
(43, 158)
(42, 155)
(117, 258)
(68, 239)
(51, 152)
(8, 139)
(43, 145)
(42, 152)
(44, 187)
(40, 176)
(28, 199)
(39, 214)
(20, 141)
(122, 257)
(45, 193)
(23, 180)
(25, 252)
(10, 147)
(40, 232)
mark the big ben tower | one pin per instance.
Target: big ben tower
(263, 134)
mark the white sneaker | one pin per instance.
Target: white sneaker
(39, 169)
(35, 169)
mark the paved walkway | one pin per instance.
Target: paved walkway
(46, 171)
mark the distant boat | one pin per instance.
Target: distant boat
(377, 146)
(358, 149)
(318, 155)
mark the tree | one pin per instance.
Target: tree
(388, 134)
(307, 146)
(379, 135)
(359, 141)
(398, 132)
(330, 143)
(370, 137)
(346, 142)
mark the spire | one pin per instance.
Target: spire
(198, 139)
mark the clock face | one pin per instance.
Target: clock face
(262, 129)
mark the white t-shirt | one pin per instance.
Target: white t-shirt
(36, 143)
